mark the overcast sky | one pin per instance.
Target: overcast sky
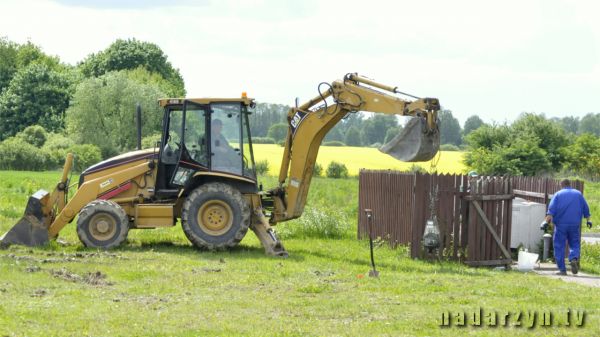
(495, 59)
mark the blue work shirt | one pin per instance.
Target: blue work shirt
(568, 207)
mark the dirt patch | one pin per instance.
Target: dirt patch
(154, 301)
(39, 293)
(33, 269)
(206, 270)
(53, 257)
(95, 278)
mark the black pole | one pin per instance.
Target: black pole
(373, 272)
(138, 110)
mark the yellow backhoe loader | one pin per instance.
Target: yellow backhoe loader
(203, 173)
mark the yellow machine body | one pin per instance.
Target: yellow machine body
(183, 178)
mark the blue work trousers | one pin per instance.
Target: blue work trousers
(566, 233)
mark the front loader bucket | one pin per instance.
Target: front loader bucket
(30, 230)
(413, 143)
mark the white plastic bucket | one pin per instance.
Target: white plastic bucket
(526, 260)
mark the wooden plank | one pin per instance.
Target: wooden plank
(500, 262)
(494, 206)
(490, 197)
(420, 183)
(489, 227)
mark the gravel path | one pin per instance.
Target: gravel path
(549, 270)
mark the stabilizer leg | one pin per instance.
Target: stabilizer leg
(266, 235)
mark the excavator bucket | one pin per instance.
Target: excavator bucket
(30, 230)
(413, 143)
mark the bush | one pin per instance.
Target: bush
(317, 170)
(262, 167)
(414, 168)
(263, 140)
(337, 170)
(333, 143)
(56, 145)
(149, 142)
(449, 147)
(16, 154)
(34, 135)
(316, 223)
(86, 155)
(278, 131)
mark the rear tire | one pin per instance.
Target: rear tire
(102, 224)
(215, 216)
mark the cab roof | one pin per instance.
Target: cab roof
(177, 101)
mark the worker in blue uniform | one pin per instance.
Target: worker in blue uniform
(566, 209)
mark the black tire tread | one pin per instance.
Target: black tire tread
(106, 206)
(238, 198)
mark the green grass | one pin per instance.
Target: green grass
(591, 191)
(159, 285)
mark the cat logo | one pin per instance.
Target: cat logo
(296, 120)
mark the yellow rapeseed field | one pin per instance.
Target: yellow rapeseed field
(356, 158)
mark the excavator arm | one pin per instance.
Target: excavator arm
(310, 122)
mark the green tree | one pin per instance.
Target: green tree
(450, 132)
(131, 54)
(102, 112)
(531, 145)
(391, 133)
(336, 170)
(29, 53)
(552, 138)
(37, 94)
(352, 137)
(265, 115)
(143, 76)
(34, 135)
(489, 136)
(472, 123)
(8, 62)
(590, 123)
(569, 123)
(375, 128)
(583, 156)
(526, 156)
(335, 134)
(278, 132)
(14, 57)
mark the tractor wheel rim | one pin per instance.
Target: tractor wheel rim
(103, 226)
(215, 217)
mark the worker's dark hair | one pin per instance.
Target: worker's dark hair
(565, 183)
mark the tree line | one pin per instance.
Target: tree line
(536, 145)
(48, 107)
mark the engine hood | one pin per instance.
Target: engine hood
(119, 160)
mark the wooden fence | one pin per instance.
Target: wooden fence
(474, 213)
(539, 189)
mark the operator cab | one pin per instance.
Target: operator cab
(204, 136)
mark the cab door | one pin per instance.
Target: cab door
(185, 149)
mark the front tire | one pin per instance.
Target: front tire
(215, 216)
(102, 224)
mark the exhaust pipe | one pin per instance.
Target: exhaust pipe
(138, 113)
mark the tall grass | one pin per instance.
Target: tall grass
(326, 223)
